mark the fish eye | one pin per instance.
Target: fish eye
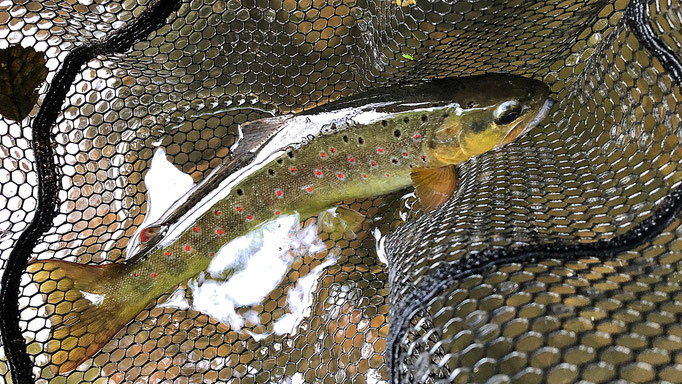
(507, 112)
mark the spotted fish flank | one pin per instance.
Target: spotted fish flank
(367, 145)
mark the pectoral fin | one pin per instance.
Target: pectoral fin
(340, 219)
(434, 186)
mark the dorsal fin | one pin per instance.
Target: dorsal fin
(254, 134)
(434, 186)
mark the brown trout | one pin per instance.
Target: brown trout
(363, 146)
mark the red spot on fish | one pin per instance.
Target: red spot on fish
(318, 173)
(339, 175)
(168, 253)
(154, 275)
(217, 212)
(423, 157)
(278, 192)
(387, 175)
(219, 231)
(332, 150)
(417, 136)
(277, 213)
(196, 229)
(309, 189)
(380, 150)
(322, 154)
(136, 274)
(249, 217)
(188, 248)
(373, 163)
(395, 161)
(212, 254)
(239, 209)
(351, 159)
(364, 175)
(405, 154)
(293, 170)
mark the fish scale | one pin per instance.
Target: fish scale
(364, 146)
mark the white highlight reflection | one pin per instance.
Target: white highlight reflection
(300, 299)
(165, 184)
(380, 245)
(93, 297)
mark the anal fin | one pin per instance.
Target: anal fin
(434, 186)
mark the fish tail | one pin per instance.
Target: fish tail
(85, 310)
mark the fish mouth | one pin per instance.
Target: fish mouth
(542, 113)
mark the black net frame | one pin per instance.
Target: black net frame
(410, 296)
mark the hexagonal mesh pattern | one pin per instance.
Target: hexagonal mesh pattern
(596, 170)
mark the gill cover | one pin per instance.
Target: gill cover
(492, 110)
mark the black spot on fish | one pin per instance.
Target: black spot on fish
(290, 154)
(478, 126)
(396, 133)
(470, 104)
(384, 123)
(406, 120)
(271, 172)
(280, 161)
(240, 192)
(361, 140)
(424, 118)
(345, 138)
(446, 115)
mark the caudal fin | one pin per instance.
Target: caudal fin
(85, 310)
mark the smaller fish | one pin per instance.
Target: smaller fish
(371, 144)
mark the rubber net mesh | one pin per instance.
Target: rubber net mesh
(548, 265)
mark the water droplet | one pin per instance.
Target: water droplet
(269, 15)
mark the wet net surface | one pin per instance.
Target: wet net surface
(554, 262)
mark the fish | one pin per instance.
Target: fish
(302, 164)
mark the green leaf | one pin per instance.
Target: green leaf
(22, 70)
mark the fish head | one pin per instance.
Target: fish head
(490, 111)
